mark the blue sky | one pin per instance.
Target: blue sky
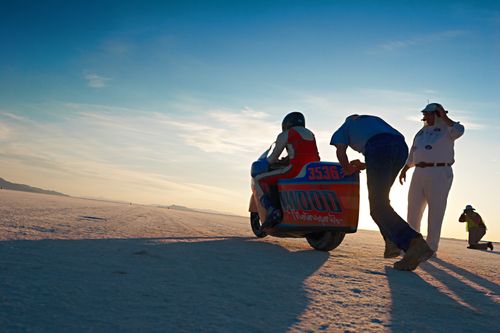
(169, 102)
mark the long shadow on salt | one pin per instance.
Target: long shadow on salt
(223, 285)
(442, 298)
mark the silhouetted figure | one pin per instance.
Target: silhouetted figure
(432, 154)
(385, 154)
(300, 144)
(476, 228)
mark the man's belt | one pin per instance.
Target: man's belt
(425, 164)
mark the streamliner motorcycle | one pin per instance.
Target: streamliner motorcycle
(320, 204)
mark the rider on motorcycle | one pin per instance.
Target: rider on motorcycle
(301, 147)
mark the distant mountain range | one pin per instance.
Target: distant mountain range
(187, 209)
(26, 188)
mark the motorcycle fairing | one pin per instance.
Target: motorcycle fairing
(320, 197)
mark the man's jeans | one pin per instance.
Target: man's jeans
(385, 155)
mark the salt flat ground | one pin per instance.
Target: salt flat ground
(71, 264)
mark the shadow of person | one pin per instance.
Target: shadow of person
(486, 251)
(470, 290)
(479, 280)
(166, 285)
(438, 303)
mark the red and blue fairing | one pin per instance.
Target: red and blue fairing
(321, 197)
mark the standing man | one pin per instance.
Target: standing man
(432, 154)
(476, 228)
(385, 153)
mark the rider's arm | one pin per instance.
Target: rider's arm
(281, 141)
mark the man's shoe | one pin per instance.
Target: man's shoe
(273, 217)
(490, 246)
(391, 250)
(417, 253)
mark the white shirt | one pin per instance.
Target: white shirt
(435, 144)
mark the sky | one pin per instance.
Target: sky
(170, 102)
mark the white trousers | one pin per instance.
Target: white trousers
(429, 187)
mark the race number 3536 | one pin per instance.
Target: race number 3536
(323, 172)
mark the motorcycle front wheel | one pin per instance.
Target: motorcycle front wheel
(255, 224)
(326, 240)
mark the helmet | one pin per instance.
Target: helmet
(293, 119)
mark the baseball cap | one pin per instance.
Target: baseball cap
(432, 107)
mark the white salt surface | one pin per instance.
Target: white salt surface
(71, 264)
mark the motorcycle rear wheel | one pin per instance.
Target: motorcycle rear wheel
(255, 224)
(326, 240)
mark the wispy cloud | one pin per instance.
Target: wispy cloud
(96, 81)
(178, 157)
(421, 40)
(225, 132)
(469, 123)
(154, 152)
(218, 130)
(472, 122)
(12, 116)
(395, 105)
(5, 128)
(364, 101)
